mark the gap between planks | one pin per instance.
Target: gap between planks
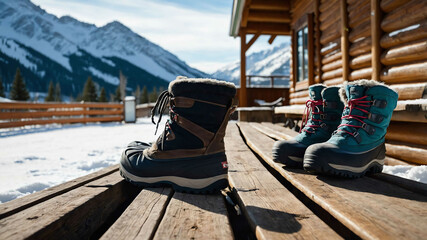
(272, 211)
(355, 202)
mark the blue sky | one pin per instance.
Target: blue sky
(194, 30)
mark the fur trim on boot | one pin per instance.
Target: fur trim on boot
(362, 82)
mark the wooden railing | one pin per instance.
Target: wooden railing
(18, 114)
(272, 81)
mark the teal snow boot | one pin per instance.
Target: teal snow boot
(323, 113)
(190, 154)
(357, 147)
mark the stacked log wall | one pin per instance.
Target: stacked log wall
(330, 42)
(359, 24)
(404, 46)
(403, 59)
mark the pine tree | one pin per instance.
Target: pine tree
(144, 96)
(19, 91)
(118, 95)
(153, 95)
(58, 97)
(123, 83)
(50, 93)
(102, 95)
(1, 89)
(89, 91)
(137, 94)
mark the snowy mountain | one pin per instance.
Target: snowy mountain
(65, 50)
(273, 61)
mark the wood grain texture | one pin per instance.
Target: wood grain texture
(409, 91)
(361, 61)
(272, 211)
(390, 5)
(73, 215)
(364, 73)
(416, 72)
(286, 133)
(28, 105)
(190, 216)
(408, 152)
(332, 57)
(14, 206)
(414, 51)
(415, 133)
(355, 203)
(142, 217)
(389, 40)
(361, 46)
(408, 14)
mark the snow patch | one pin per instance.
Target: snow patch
(106, 77)
(416, 173)
(108, 61)
(54, 154)
(13, 50)
(404, 30)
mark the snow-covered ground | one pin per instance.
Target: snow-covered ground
(34, 158)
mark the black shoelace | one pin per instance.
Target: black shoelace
(160, 107)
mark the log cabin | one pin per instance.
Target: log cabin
(345, 40)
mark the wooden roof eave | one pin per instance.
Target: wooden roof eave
(258, 17)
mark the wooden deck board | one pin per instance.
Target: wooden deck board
(75, 214)
(190, 216)
(273, 211)
(369, 207)
(9, 208)
(271, 130)
(142, 217)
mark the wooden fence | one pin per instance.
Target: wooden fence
(18, 114)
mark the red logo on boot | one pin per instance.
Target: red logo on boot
(224, 164)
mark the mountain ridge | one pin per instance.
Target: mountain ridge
(32, 39)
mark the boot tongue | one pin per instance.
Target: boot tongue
(355, 91)
(315, 92)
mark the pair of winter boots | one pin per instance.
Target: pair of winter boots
(189, 155)
(340, 140)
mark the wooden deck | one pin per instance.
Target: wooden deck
(274, 202)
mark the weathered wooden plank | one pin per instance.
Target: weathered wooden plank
(40, 114)
(355, 202)
(14, 206)
(263, 127)
(75, 214)
(272, 211)
(60, 121)
(142, 217)
(28, 105)
(190, 216)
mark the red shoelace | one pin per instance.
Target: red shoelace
(355, 104)
(310, 107)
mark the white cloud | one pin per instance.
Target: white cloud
(199, 37)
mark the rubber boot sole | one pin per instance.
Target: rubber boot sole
(179, 184)
(321, 159)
